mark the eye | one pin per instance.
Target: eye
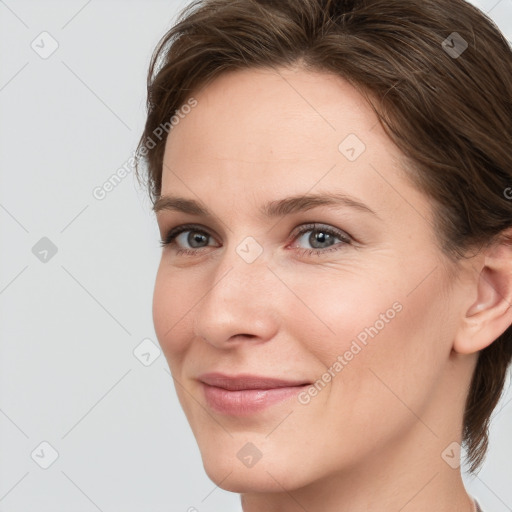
(190, 239)
(322, 238)
(191, 235)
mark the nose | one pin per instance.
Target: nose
(239, 303)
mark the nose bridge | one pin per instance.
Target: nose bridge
(238, 301)
(242, 269)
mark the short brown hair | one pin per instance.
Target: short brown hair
(449, 113)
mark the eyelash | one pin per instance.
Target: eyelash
(169, 238)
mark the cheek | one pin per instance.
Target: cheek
(339, 308)
(173, 302)
(388, 368)
(361, 328)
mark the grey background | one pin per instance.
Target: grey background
(70, 322)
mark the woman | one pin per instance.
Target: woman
(331, 181)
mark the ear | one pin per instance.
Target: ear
(491, 313)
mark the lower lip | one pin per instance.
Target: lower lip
(240, 403)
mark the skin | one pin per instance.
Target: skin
(372, 439)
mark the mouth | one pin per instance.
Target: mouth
(241, 395)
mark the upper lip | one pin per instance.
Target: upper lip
(246, 381)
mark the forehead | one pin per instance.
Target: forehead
(260, 131)
(248, 114)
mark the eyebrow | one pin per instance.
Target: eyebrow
(276, 208)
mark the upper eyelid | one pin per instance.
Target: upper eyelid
(177, 230)
(318, 226)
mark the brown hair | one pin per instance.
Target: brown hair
(450, 114)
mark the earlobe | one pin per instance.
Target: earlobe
(490, 314)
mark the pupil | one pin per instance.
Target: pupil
(319, 237)
(194, 238)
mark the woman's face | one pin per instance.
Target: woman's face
(346, 291)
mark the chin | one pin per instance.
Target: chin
(245, 480)
(225, 467)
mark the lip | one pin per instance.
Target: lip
(245, 394)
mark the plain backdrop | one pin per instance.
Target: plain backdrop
(89, 418)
